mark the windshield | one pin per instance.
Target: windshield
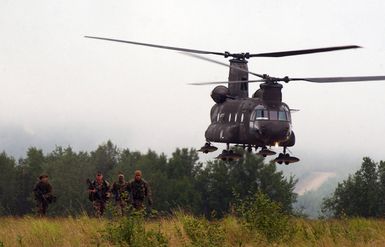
(261, 113)
(281, 114)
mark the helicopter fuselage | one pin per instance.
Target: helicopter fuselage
(261, 121)
(251, 121)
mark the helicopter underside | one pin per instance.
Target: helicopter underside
(240, 136)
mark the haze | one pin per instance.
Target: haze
(58, 88)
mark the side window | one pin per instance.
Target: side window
(235, 118)
(229, 117)
(221, 117)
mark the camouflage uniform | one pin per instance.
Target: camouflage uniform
(120, 192)
(100, 197)
(138, 191)
(43, 197)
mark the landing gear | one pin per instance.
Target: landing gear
(207, 148)
(229, 155)
(285, 158)
(266, 152)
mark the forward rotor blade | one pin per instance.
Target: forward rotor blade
(159, 46)
(223, 82)
(221, 63)
(302, 52)
(340, 79)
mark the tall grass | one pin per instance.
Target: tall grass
(29, 231)
(186, 230)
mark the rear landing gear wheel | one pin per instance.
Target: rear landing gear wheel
(285, 158)
(229, 155)
(266, 152)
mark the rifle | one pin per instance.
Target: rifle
(117, 195)
(48, 200)
(91, 195)
(98, 194)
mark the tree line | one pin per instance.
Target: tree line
(362, 194)
(180, 181)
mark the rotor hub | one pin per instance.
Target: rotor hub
(239, 56)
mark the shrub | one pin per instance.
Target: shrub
(130, 231)
(261, 214)
(203, 233)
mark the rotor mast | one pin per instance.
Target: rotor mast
(238, 72)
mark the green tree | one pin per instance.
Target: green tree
(244, 178)
(68, 171)
(178, 181)
(381, 188)
(8, 185)
(106, 157)
(29, 170)
(360, 194)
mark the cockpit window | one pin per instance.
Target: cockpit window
(261, 113)
(273, 115)
(283, 113)
(282, 116)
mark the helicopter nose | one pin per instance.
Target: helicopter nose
(275, 132)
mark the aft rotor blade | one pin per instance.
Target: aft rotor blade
(221, 63)
(340, 79)
(302, 52)
(159, 46)
(224, 82)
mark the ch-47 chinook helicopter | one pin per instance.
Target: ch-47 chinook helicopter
(258, 122)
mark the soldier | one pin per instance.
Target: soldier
(139, 189)
(99, 190)
(120, 192)
(43, 195)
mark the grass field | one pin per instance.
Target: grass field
(184, 230)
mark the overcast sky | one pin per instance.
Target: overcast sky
(60, 88)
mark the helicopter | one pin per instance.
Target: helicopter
(257, 122)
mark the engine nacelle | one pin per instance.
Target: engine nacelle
(220, 94)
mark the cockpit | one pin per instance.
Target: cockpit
(280, 114)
